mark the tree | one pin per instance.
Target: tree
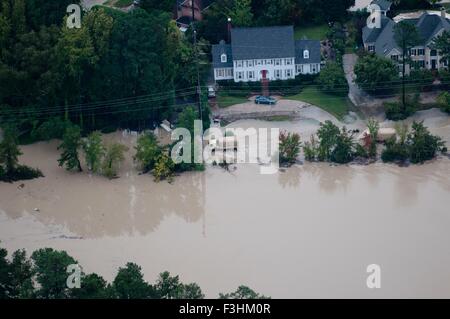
(147, 151)
(114, 156)
(191, 291)
(129, 284)
(327, 133)
(342, 152)
(94, 151)
(5, 276)
(444, 101)
(21, 270)
(442, 44)
(289, 147)
(93, 286)
(50, 267)
(164, 168)
(375, 74)
(70, 145)
(406, 36)
(373, 126)
(162, 5)
(332, 79)
(243, 292)
(9, 151)
(240, 12)
(423, 145)
(168, 287)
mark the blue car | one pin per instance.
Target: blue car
(265, 100)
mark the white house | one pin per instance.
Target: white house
(269, 53)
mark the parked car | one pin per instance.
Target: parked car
(265, 100)
(211, 92)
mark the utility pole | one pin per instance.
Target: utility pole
(199, 92)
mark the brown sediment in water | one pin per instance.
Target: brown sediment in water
(310, 231)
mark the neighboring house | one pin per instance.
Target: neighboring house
(381, 41)
(268, 53)
(183, 11)
(382, 5)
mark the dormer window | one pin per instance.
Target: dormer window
(305, 54)
(223, 58)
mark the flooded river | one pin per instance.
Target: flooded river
(310, 231)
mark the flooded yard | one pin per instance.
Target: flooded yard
(309, 231)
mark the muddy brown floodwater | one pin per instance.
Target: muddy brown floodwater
(310, 231)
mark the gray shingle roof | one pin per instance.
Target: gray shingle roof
(383, 4)
(217, 51)
(370, 35)
(428, 25)
(262, 43)
(313, 46)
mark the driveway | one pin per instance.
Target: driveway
(356, 95)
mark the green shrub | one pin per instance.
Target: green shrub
(311, 149)
(396, 112)
(423, 145)
(360, 151)
(332, 80)
(343, 150)
(422, 79)
(52, 129)
(289, 147)
(20, 173)
(394, 152)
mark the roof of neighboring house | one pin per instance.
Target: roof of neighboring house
(313, 46)
(262, 43)
(370, 35)
(217, 51)
(428, 26)
(383, 4)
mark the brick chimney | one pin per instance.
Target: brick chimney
(443, 13)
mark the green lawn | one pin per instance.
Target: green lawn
(225, 100)
(318, 32)
(336, 105)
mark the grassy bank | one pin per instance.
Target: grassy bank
(226, 100)
(336, 105)
(318, 32)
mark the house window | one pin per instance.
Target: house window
(371, 48)
(413, 52)
(250, 74)
(277, 74)
(223, 58)
(305, 54)
(314, 68)
(277, 62)
(240, 75)
(259, 62)
(420, 51)
(394, 57)
(288, 73)
(433, 53)
(250, 63)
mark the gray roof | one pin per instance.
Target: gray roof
(383, 4)
(428, 26)
(314, 51)
(217, 51)
(370, 35)
(262, 43)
